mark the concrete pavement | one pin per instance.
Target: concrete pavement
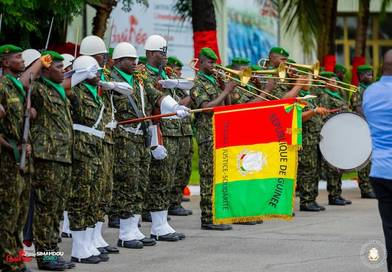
(326, 241)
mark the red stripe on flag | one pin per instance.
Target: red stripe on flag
(255, 124)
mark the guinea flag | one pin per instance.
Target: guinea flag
(255, 160)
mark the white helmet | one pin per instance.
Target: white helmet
(156, 43)
(84, 62)
(30, 55)
(124, 49)
(92, 45)
(68, 59)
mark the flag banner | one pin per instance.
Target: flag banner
(255, 160)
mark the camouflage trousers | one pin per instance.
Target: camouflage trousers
(14, 199)
(84, 197)
(309, 163)
(206, 170)
(363, 179)
(162, 176)
(131, 173)
(107, 181)
(51, 185)
(334, 180)
(183, 170)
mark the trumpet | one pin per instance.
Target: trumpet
(263, 62)
(280, 71)
(243, 75)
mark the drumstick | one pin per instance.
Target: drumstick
(334, 110)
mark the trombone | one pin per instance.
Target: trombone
(280, 71)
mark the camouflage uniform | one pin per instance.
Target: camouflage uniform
(162, 172)
(52, 138)
(333, 100)
(205, 90)
(309, 157)
(279, 91)
(107, 156)
(87, 172)
(239, 96)
(14, 188)
(183, 170)
(132, 156)
(363, 174)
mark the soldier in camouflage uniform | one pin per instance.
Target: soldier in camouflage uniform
(309, 159)
(331, 99)
(95, 47)
(52, 138)
(207, 93)
(184, 163)
(162, 171)
(132, 152)
(87, 171)
(14, 188)
(365, 75)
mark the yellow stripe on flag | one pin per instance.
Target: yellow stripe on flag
(259, 161)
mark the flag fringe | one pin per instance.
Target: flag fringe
(233, 220)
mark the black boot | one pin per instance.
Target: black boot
(216, 227)
(179, 211)
(322, 208)
(337, 201)
(348, 201)
(368, 195)
(52, 265)
(309, 207)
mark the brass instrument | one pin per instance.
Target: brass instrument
(243, 75)
(263, 62)
(315, 68)
(280, 71)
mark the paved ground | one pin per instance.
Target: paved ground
(326, 241)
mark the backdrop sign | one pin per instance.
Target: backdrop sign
(252, 28)
(159, 18)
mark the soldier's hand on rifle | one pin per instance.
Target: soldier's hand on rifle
(46, 60)
(28, 150)
(33, 113)
(2, 111)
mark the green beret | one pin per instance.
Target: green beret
(209, 53)
(111, 52)
(255, 67)
(364, 68)
(9, 49)
(290, 61)
(240, 61)
(280, 51)
(229, 66)
(172, 60)
(327, 74)
(55, 56)
(340, 68)
(142, 59)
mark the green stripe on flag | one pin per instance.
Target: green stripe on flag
(252, 198)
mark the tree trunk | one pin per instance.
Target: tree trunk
(362, 24)
(326, 38)
(103, 10)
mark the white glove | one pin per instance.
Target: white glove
(106, 85)
(159, 152)
(82, 74)
(182, 111)
(169, 105)
(180, 83)
(120, 87)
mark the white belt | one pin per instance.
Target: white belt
(89, 130)
(132, 130)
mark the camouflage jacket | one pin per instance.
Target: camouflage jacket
(51, 131)
(12, 98)
(86, 109)
(186, 123)
(333, 100)
(144, 100)
(107, 116)
(357, 97)
(312, 127)
(204, 91)
(239, 96)
(169, 127)
(279, 91)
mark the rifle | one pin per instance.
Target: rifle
(50, 31)
(26, 128)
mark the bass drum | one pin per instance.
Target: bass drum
(345, 142)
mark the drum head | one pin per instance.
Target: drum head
(345, 141)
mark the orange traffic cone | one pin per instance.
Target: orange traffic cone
(186, 193)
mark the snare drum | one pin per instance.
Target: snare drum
(345, 142)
